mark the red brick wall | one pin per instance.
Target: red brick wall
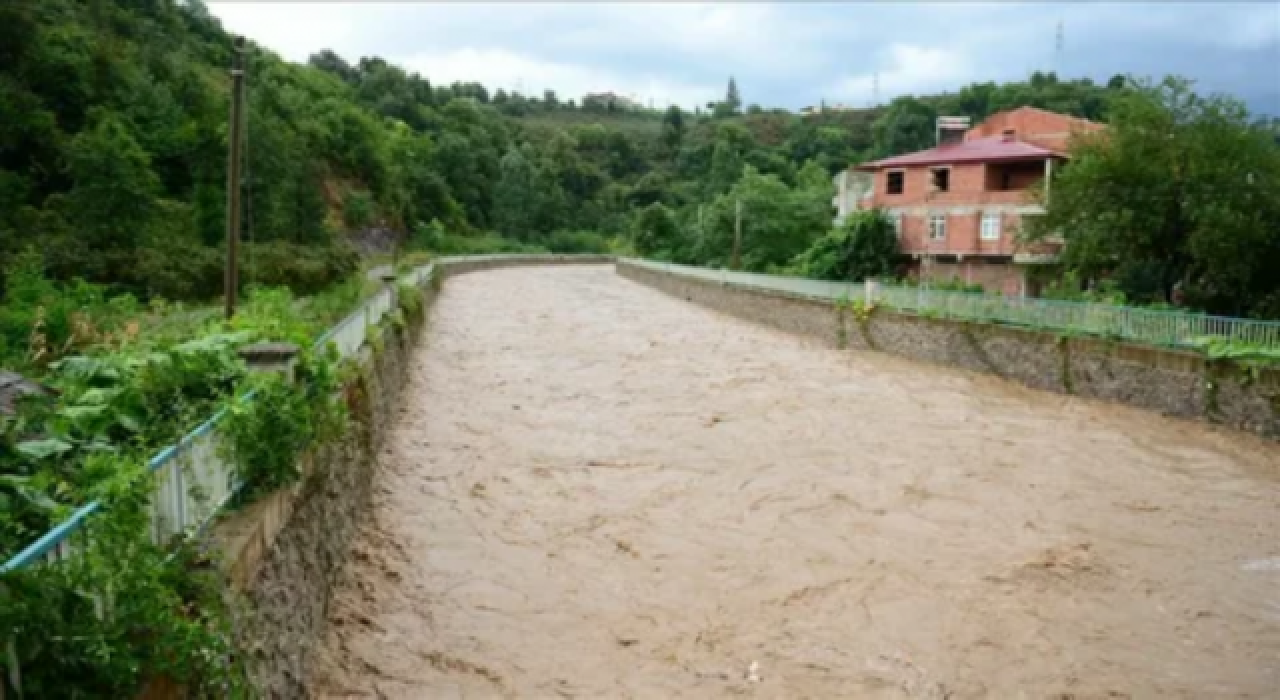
(968, 185)
(1046, 129)
(964, 235)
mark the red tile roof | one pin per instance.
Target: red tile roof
(993, 148)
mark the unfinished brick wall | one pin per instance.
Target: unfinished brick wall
(1037, 126)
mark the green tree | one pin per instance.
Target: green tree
(673, 128)
(515, 198)
(1181, 192)
(865, 245)
(655, 232)
(908, 125)
(327, 60)
(778, 221)
(112, 198)
(728, 155)
(732, 103)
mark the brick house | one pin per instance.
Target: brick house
(959, 206)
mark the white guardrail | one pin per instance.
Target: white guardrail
(193, 480)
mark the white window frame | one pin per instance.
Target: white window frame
(937, 227)
(990, 227)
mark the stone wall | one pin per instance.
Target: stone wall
(1170, 381)
(287, 550)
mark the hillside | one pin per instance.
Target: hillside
(113, 140)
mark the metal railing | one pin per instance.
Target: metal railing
(796, 286)
(193, 479)
(1149, 326)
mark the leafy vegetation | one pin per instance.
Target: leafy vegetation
(266, 435)
(337, 147)
(1244, 353)
(125, 609)
(1178, 202)
(907, 123)
(864, 246)
(112, 187)
(121, 611)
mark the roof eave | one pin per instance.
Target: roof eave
(880, 165)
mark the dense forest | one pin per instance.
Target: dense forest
(113, 152)
(113, 129)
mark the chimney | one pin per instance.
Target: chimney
(1008, 135)
(951, 130)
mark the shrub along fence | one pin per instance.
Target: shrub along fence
(1148, 326)
(195, 479)
(191, 481)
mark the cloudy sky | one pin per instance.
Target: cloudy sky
(783, 54)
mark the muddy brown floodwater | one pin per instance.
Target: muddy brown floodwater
(597, 491)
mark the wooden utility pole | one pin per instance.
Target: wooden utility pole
(231, 278)
(735, 260)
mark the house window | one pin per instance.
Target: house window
(940, 178)
(896, 182)
(938, 227)
(990, 227)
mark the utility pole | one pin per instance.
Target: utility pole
(231, 280)
(735, 259)
(1059, 41)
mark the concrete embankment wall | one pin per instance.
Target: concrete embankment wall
(1173, 382)
(286, 552)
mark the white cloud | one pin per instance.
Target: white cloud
(729, 34)
(785, 54)
(910, 70)
(499, 68)
(295, 31)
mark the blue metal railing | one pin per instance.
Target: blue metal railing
(176, 510)
(176, 507)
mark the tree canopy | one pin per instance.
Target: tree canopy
(1178, 201)
(113, 161)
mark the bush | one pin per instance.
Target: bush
(357, 209)
(951, 284)
(1069, 287)
(432, 237)
(577, 242)
(41, 320)
(304, 269)
(185, 272)
(865, 245)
